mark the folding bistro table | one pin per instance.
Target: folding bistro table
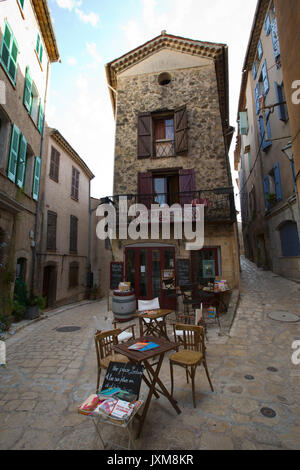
(156, 324)
(143, 357)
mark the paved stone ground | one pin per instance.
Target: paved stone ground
(49, 373)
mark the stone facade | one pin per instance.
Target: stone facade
(194, 84)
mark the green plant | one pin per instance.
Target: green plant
(271, 197)
(6, 308)
(8, 277)
(18, 310)
(37, 300)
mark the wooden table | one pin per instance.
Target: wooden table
(154, 327)
(153, 380)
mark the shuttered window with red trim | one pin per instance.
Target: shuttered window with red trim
(145, 189)
(144, 135)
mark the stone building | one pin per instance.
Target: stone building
(63, 254)
(270, 211)
(289, 38)
(28, 47)
(170, 100)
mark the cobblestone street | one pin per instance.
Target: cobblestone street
(49, 373)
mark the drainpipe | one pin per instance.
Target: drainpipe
(89, 276)
(37, 202)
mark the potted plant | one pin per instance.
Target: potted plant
(271, 198)
(34, 305)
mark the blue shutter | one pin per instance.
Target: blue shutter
(36, 179)
(275, 39)
(21, 162)
(266, 191)
(277, 182)
(267, 24)
(13, 153)
(259, 49)
(257, 99)
(289, 236)
(265, 144)
(254, 71)
(264, 72)
(280, 98)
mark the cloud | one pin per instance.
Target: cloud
(72, 61)
(66, 4)
(92, 18)
(93, 52)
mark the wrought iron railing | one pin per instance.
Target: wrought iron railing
(218, 203)
(164, 148)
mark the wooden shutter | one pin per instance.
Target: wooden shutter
(54, 164)
(181, 138)
(186, 186)
(73, 274)
(41, 53)
(144, 135)
(6, 43)
(282, 113)
(267, 24)
(275, 38)
(243, 123)
(73, 233)
(254, 71)
(13, 154)
(277, 182)
(266, 191)
(38, 40)
(257, 99)
(259, 49)
(265, 144)
(12, 68)
(265, 78)
(41, 117)
(27, 91)
(75, 184)
(36, 179)
(21, 162)
(51, 230)
(145, 189)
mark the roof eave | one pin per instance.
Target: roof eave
(44, 19)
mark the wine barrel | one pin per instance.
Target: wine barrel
(123, 305)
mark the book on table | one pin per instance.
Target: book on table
(89, 405)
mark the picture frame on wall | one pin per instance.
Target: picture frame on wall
(208, 268)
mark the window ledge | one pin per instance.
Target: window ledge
(74, 198)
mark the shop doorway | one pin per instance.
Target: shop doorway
(151, 271)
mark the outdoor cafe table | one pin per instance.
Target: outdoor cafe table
(154, 327)
(153, 380)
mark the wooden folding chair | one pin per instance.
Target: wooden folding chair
(191, 356)
(105, 354)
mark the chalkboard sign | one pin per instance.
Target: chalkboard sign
(116, 274)
(127, 377)
(183, 272)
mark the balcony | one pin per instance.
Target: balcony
(164, 148)
(218, 203)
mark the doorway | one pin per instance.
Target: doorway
(49, 285)
(145, 268)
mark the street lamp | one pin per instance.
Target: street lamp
(288, 151)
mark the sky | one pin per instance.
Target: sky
(91, 33)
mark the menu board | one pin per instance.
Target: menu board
(183, 272)
(116, 274)
(127, 377)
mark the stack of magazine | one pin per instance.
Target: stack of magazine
(114, 403)
(143, 346)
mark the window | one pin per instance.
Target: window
(164, 78)
(244, 127)
(282, 108)
(36, 178)
(75, 184)
(73, 275)
(272, 187)
(265, 144)
(268, 24)
(32, 101)
(73, 233)
(54, 164)
(51, 231)
(17, 157)
(5, 138)
(21, 269)
(252, 202)
(167, 187)
(162, 134)
(39, 48)
(289, 238)
(9, 53)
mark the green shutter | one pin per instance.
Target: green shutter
(27, 91)
(21, 162)
(13, 154)
(41, 117)
(36, 179)
(22, 3)
(6, 43)
(41, 53)
(37, 48)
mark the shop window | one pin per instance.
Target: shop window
(290, 244)
(205, 265)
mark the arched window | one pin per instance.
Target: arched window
(290, 244)
(21, 269)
